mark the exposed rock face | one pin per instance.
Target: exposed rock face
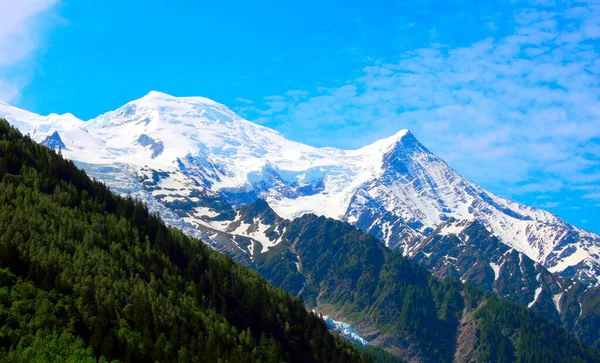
(54, 141)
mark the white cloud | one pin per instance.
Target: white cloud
(21, 29)
(244, 101)
(8, 91)
(549, 205)
(518, 113)
(594, 195)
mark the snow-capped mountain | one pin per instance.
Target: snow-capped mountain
(187, 155)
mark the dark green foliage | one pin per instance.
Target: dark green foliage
(381, 290)
(379, 355)
(585, 311)
(281, 264)
(359, 276)
(536, 340)
(87, 275)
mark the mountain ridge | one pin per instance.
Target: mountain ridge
(461, 250)
(395, 188)
(345, 273)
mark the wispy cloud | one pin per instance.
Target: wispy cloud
(21, 29)
(549, 205)
(518, 112)
(245, 101)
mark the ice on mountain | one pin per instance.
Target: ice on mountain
(345, 330)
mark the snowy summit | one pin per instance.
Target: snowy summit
(166, 149)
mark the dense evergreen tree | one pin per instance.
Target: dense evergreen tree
(405, 308)
(88, 275)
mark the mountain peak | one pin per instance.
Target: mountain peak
(158, 94)
(158, 106)
(401, 134)
(396, 138)
(64, 115)
(403, 138)
(409, 141)
(54, 141)
(161, 96)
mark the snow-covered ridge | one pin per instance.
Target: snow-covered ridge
(394, 188)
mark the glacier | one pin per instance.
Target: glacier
(345, 330)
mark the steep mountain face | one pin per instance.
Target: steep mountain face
(178, 154)
(466, 250)
(390, 302)
(417, 191)
(463, 250)
(54, 141)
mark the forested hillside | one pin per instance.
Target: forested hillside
(398, 305)
(87, 275)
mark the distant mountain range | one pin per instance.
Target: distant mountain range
(200, 166)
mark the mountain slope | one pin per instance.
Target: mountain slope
(85, 274)
(468, 251)
(347, 274)
(175, 153)
(418, 191)
(462, 250)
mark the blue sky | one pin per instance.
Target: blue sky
(507, 92)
